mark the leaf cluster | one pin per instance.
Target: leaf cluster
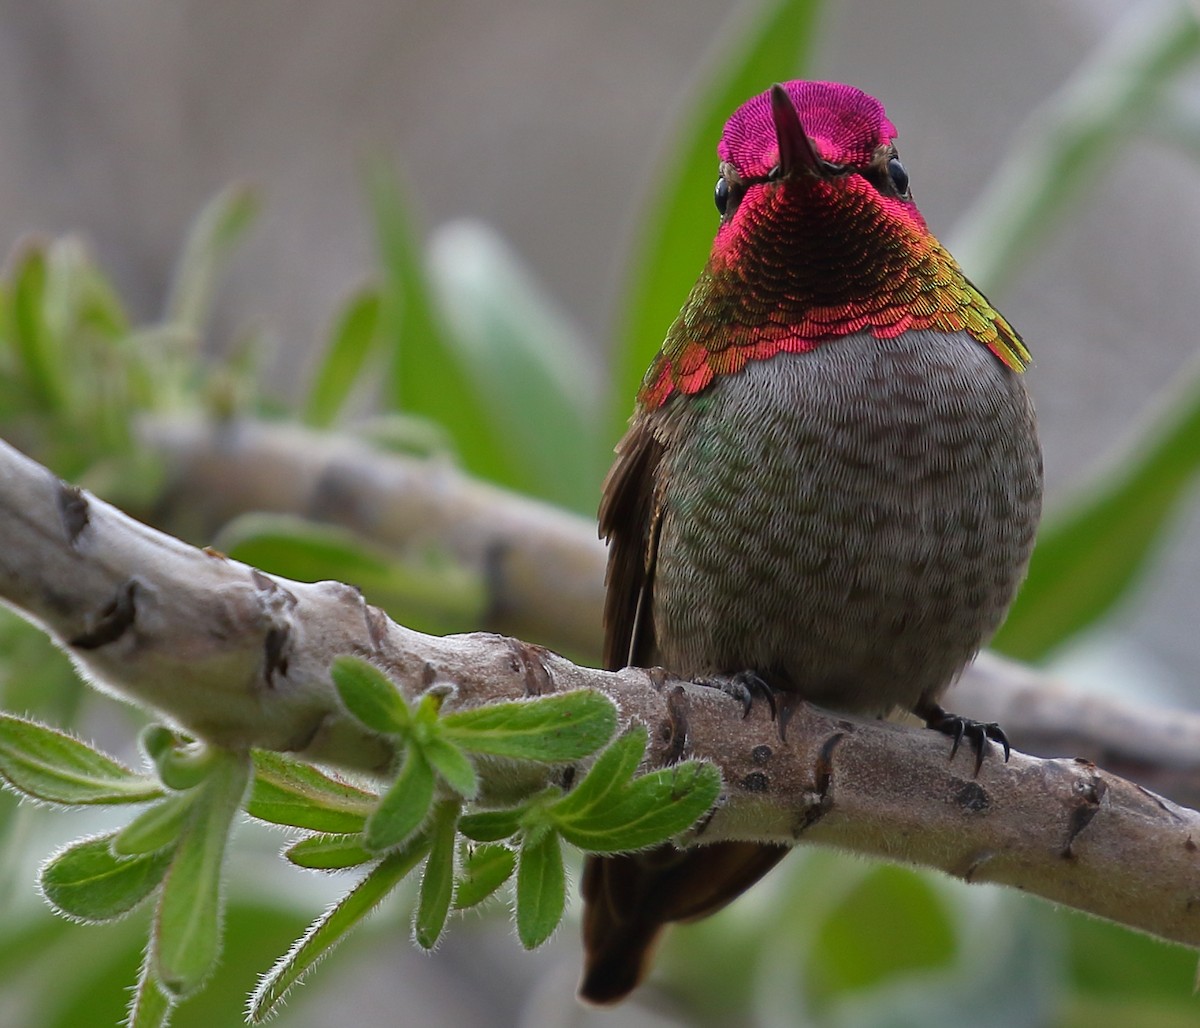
(429, 817)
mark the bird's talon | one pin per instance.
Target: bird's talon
(977, 733)
(743, 687)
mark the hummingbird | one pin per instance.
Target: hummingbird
(830, 485)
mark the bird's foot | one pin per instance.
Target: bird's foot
(977, 733)
(743, 686)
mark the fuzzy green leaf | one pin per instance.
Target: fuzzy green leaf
(187, 924)
(484, 870)
(149, 1007)
(333, 926)
(49, 765)
(354, 339)
(185, 763)
(453, 766)
(288, 792)
(541, 889)
(370, 696)
(329, 852)
(404, 806)
(154, 828)
(550, 729)
(492, 825)
(652, 809)
(88, 882)
(437, 881)
(611, 772)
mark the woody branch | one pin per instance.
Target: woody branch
(241, 658)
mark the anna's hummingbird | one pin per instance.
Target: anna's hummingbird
(831, 482)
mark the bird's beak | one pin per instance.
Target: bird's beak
(796, 151)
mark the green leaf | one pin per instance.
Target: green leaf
(154, 828)
(329, 852)
(529, 367)
(288, 792)
(541, 889)
(217, 229)
(652, 809)
(354, 338)
(428, 378)
(331, 927)
(181, 763)
(88, 882)
(680, 222)
(187, 924)
(370, 696)
(484, 870)
(1089, 555)
(437, 882)
(429, 590)
(404, 806)
(550, 729)
(32, 339)
(492, 825)
(611, 772)
(150, 1007)
(49, 765)
(453, 766)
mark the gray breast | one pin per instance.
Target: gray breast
(852, 522)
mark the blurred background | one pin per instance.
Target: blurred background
(538, 140)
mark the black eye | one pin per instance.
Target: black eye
(722, 195)
(898, 176)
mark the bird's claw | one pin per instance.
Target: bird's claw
(743, 686)
(977, 733)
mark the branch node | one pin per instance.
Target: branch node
(788, 703)
(276, 596)
(674, 730)
(377, 626)
(1088, 792)
(115, 619)
(529, 659)
(73, 510)
(1158, 801)
(275, 647)
(973, 798)
(823, 770)
(756, 781)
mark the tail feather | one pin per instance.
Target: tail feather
(630, 898)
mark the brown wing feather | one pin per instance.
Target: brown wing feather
(629, 898)
(630, 513)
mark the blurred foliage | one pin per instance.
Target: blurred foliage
(460, 354)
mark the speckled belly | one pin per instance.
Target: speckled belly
(852, 523)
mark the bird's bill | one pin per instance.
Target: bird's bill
(796, 150)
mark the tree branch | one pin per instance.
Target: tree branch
(544, 571)
(241, 659)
